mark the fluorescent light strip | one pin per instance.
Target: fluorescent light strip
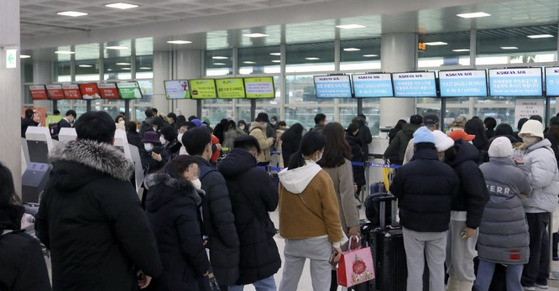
(72, 13)
(178, 41)
(350, 26)
(275, 54)
(255, 34)
(219, 58)
(460, 50)
(370, 56)
(540, 36)
(126, 69)
(249, 62)
(116, 47)
(85, 66)
(312, 58)
(276, 61)
(351, 49)
(64, 52)
(435, 43)
(24, 56)
(145, 68)
(121, 5)
(122, 64)
(509, 48)
(473, 15)
(219, 64)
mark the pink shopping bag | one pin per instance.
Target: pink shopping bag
(355, 266)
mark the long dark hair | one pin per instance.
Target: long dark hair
(310, 143)
(293, 133)
(475, 126)
(337, 148)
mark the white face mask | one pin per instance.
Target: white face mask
(530, 140)
(179, 137)
(148, 147)
(162, 140)
(242, 127)
(121, 122)
(197, 183)
(273, 123)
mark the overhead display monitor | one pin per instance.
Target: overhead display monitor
(176, 89)
(466, 83)
(515, 82)
(230, 88)
(71, 91)
(332, 86)
(260, 87)
(414, 84)
(202, 89)
(108, 91)
(129, 90)
(372, 85)
(38, 92)
(89, 91)
(552, 81)
(55, 92)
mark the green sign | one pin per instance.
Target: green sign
(260, 87)
(129, 90)
(202, 89)
(230, 88)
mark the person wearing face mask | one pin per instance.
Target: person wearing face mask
(120, 122)
(154, 156)
(67, 121)
(253, 196)
(540, 165)
(260, 130)
(169, 140)
(242, 125)
(309, 216)
(172, 208)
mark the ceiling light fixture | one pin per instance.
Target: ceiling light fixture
(350, 26)
(435, 43)
(276, 61)
(178, 41)
(220, 58)
(85, 66)
(122, 64)
(126, 69)
(72, 13)
(145, 68)
(351, 49)
(540, 36)
(460, 50)
(219, 64)
(312, 58)
(24, 56)
(64, 52)
(256, 34)
(509, 48)
(473, 15)
(370, 56)
(275, 54)
(116, 47)
(249, 62)
(121, 5)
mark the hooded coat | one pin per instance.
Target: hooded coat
(91, 219)
(541, 168)
(252, 195)
(21, 257)
(172, 209)
(259, 132)
(401, 140)
(308, 206)
(503, 232)
(472, 193)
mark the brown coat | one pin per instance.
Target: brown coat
(259, 132)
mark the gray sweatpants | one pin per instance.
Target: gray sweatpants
(460, 253)
(421, 245)
(296, 252)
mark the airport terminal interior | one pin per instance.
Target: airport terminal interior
(138, 48)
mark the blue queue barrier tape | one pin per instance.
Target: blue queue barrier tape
(376, 165)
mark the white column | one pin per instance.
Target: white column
(10, 90)
(161, 72)
(398, 54)
(42, 75)
(188, 65)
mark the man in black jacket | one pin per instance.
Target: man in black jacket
(27, 121)
(425, 187)
(90, 215)
(253, 195)
(67, 120)
(219, 222)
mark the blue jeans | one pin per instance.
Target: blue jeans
(266, 284)
(485, 275)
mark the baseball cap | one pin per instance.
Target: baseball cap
(460, 134)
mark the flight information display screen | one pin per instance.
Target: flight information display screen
(418, 84)
(468, 83)
(515, 82)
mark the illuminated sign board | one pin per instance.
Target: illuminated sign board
(231, 88)
(470, 83)
(515, 82)
(552, 81)
(260, 87)
(129, 90)
(55, 92)
(71, 91)
(108, 91)
(176, 89)
(38, 92)
(332, 86)
(372, 85)
(202, 89)
(89, 91)
(419, 84)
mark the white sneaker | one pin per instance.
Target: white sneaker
(542, 287)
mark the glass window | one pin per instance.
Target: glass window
(300, 88)
(26, 95)
(26, 68)
(87, 62)
(219, 62)
(144, 46)
(117, 60)
(444, 49)
(513, 45)
(147, 90)
(259, 60)
(310, 57)
(360, 54)
(219, 110)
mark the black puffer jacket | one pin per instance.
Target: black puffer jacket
(253, 195)
(172, 210)
(473, 194)
(425, 187)
(91, 220)
(357, 155)
(21, 258)
(219, 224)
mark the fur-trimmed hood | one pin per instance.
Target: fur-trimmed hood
(162, 189)
(102, 157)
